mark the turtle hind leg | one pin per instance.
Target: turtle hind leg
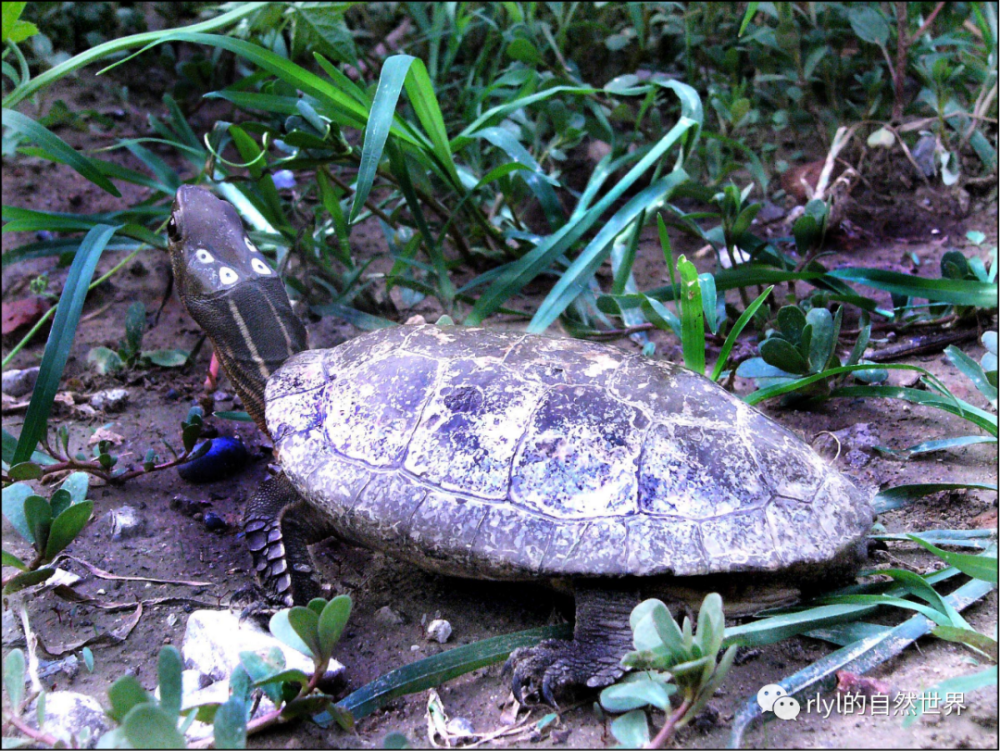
(590, 660)
(279, 526)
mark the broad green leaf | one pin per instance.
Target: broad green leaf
(332, 621)
(230, 724)
(125, 694)
(67, 526)
(280, 625)
(169, 668)
(636, 693)
(13, 677)
(784, 355)
(151, 727)
(9, 559)
(27, 579)
(631, 730)
(38, 514)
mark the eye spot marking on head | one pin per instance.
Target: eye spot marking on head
(204, 256)
(260, 267)
(250, 246)
(227, 276)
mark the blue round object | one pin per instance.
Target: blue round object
(224, 458)
(214, 522)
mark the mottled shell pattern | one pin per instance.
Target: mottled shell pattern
(502, 455)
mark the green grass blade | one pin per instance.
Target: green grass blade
(59, 150)
(904, 495)
(692, 314)
(397, 163)
(859, 657)
(522, 271)
(741, 323)
(981, 566)
(433, 671)
(575, 279)
(46, 79)
(61, 339)
(390, 85)
(980, 418)
(420, 90)
(973, 371)
(668, 256)
(954, 291)
(623, 264)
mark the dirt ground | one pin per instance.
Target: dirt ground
(176, 546)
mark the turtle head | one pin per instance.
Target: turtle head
(232, 293)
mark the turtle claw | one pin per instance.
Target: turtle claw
(546, 671)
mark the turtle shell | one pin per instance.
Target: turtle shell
(508, 456)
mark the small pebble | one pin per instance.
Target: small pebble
(439, 630)
(460, 727)
(109, 400)
(222, 396)
(126, 522)
(171, 395)
(225, 458)
(214, 522)
(386, 616)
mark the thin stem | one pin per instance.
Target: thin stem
(667, 731)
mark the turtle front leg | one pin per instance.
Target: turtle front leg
(601, 637)
(279, 527)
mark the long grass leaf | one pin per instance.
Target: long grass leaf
(575, 279)
(522, 271)
(420, 90)
(737, 329)
(979, 417)
(692, 315)
(61, 339)
(982, 566)
(903, 495)
(43, 80)
(390, 84)
(954, 291)
(435, 670)
(58, 149)
(859, 657)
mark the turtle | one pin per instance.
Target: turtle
(500, 455)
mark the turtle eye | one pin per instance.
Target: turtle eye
(260, 267)
(203, 255)
(227, 276)
(172, 231)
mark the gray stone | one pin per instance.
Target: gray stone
(386, 616)
(439, 630)
(214, 639)
(19, 382)
(72, 715)
(110, 400)
(126, 522)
